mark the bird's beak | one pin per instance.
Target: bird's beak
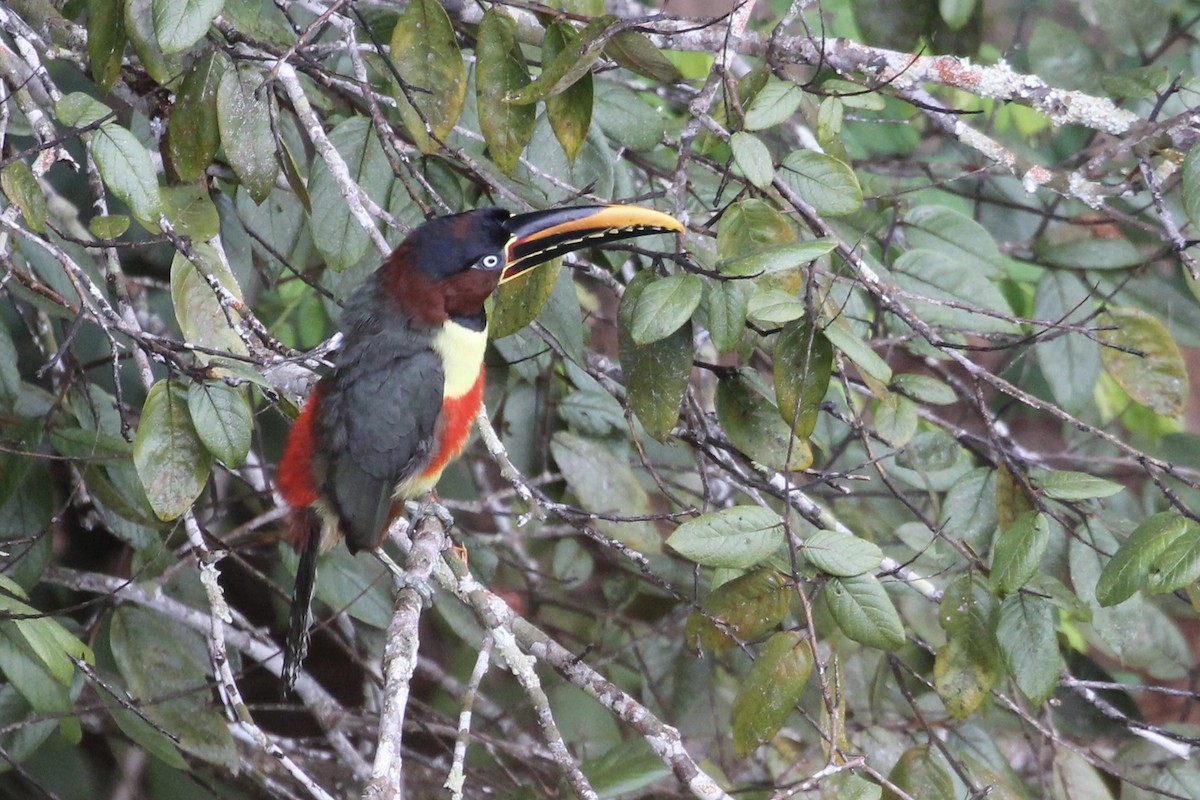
(540, 236)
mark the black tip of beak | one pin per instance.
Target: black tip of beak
(540, 236)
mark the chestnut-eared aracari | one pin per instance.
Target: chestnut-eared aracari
(408, 379)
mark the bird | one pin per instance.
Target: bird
(408, 379)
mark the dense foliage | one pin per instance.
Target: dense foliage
(879, 483)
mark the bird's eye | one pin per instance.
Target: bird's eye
(489, 262)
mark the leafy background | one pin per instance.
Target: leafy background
(881, 483)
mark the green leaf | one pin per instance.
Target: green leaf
(746, 607)
(164, 665)
(1190, 178)
(770, 690)
(739, 537)
(896, 420)
(843, 337)
(1089, 253)
(728, 303)
(825, 183)
(179, 24)
(753, 159)
(962, 679)
(840, 554)
(521, 299)
(244, 121)
(570, 64)
(754, 426)
(1067, 485)
(425, 52)
(570, 111)
(223, 420)
(21, 187)
(201, 316)
(190, 211)
(665, 306)
(774, 104)
(1028, 639)
(1177, 566)
(936, 275)
(78, 110)
(636, 53)
(108, 226)
(924, 388)
(139, 27)
(751, 225)
(127, 170)
(1149, 368)
(656, 374)
(1071, 362)
(170, 458)
(624, 116)
(920, 773)
(1019, 551)
(863, 611)
(954, 234)
(803, 366)
(336, 232)
(29, 675)
(500, 69)
(105, 41)
(605, 484)
(770, 260)
(193, 131)
(773, 308)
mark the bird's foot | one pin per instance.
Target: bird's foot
(429, 506)
(403, 579)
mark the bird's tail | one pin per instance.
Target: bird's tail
(306, 535)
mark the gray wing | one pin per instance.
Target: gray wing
(379, 417)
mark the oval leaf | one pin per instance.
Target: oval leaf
(744, 608)
(336, 232)
(127, 170)
(193, 133)
(774, 104)
(828, 185)
(1067, 485)
(569, 111)
(500, 69)
(841, 554)
(1149, 366)
(664, 306)
(803, 366)
(425, 53)
(171, 461)
(105, 41)
(863, 611)
(656, 374)
(777, 259)
(21, 187)
(605, 484)
(770, 690)
(738, 537)
(223, 420)
(1129, 570)
(179, 24)
(244, 122)
(570, 64)
(753, 159)
(1019, 551)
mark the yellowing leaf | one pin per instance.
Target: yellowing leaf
(1144, 360)
(500, 69)
(425, 53)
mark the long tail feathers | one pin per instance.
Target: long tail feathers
(296, 644)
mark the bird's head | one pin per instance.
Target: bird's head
(447, 267)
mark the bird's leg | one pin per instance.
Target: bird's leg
(401, 578)
(429, 505)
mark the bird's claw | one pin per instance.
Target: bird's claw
(430, 507)
(403, 579)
